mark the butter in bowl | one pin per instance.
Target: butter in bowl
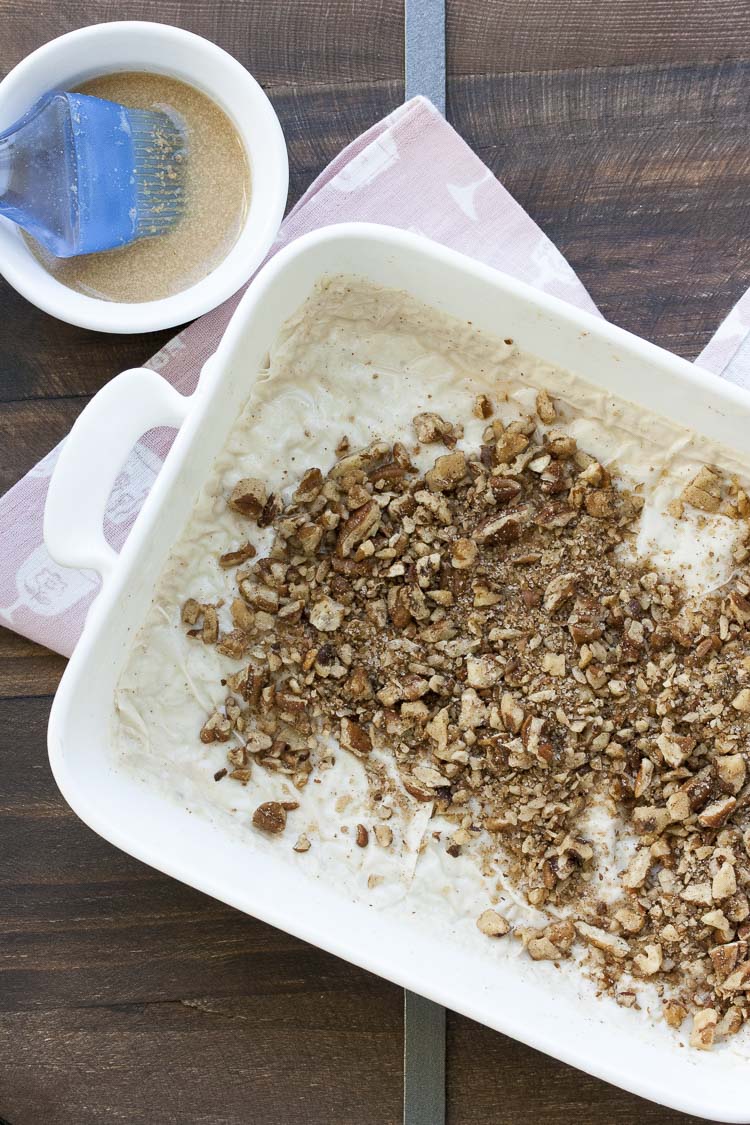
(233, 179)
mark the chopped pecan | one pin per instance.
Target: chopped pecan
(493, 924)
(248, 497)
(482, 407)
(309, 487)
(430, 428)
(704, 490)
(558, 591)
(191, 612)
(270, 817)
(326, 615)
(361, 524)
(704, 1029)
(446, 472)
(217, 728)
(210, 631)
(233, 644)
(236, 557)
(718, 812)
(355, 738)
(545, 408)
(504, 528)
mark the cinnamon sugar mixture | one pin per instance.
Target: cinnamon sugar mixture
(483, 623)
(217, 192)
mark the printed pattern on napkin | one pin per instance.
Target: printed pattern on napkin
(411, 170)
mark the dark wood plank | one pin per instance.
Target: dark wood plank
(640, 175)
(27, 669)
(41, 357)
(308, 42)
(29, 430)
(299, 42)
(495, 1079)
(502, 35)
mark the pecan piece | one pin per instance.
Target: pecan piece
(704, 1029)
(463, 554)
(361, 460)
(236, 557)
(271, 509)
(430, 428)
(704, 491)
(601, 503)
(217, 728)
(270, 817)
(483, 407)
(558, 591)
(210, 631)
(326, 615)
(718, 812)
(504, 528)
(545, 408)
(361, 524)
(191, 612)
(248, 497)
(233, 644)
(355, 738)
(493, 924)
(309, 487)
(447, 472)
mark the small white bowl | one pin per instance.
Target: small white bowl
(160, 49)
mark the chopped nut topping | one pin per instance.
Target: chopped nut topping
(479, 624)
(238, 556)
(493, 924)
(326, 615)
(704, 491)
(463, 553)
(210, 631)
(249, 497)
(355, 738)
(545, 408)
(704, 1029)
(270, 817)
(383, 835)
(483, 407)
(309, 487)
(447, 472)
(191, 612)
(430, 428)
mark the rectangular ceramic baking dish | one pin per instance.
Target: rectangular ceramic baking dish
(617, 1046)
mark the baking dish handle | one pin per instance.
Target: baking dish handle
(91, 459)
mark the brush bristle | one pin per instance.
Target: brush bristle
(160, 161)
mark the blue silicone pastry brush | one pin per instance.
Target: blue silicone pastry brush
(82, 174)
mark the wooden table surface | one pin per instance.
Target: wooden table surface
(126, 997)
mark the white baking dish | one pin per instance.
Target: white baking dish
(614, 1045)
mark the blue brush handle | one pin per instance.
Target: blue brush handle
(66, 174)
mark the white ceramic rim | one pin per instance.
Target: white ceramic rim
(202, 64)
(405, 967)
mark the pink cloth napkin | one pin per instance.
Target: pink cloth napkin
(411, 170)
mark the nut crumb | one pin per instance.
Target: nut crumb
(477, 621)
(493, 924)
(248, 497)
(270, 817)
